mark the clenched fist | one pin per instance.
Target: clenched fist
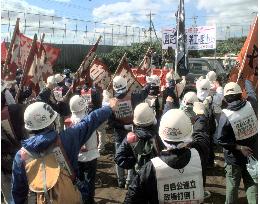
(113, 103)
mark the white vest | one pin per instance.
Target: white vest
(91, 149)
(179, 185)
(243, 122)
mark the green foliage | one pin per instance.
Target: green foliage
(232, 45)
(136, 52)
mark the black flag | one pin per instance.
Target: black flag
(181, 60)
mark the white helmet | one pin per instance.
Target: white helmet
(143, 115)
(189, 98)
(154, 80)
(175, 126)
(211, 76)
(119, 84)
(203, 84)
(77, 103)
(232, 88)
(39, 115)
(59, 78)
(51, 80)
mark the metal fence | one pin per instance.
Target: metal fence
(70, 31)
(61, 30)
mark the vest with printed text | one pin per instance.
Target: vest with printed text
(243, 122)
(179, 185)
(124, 111)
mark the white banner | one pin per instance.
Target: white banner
(198, 38)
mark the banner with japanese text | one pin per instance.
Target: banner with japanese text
(198, 38)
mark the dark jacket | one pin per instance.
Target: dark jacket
(96, 98)
(144, 186)
(169, 91)
(226, 136)
(136, 98)
(126, 157)
(47, 96)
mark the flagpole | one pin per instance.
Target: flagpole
(8, 57)
(38, 62)
(244, 58)
(120, 63)
(80, 69)
(26, 68)
(177, 41)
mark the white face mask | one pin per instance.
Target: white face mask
(172, 146)
(202, 94)
(120, 91)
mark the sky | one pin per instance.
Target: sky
(82, 21)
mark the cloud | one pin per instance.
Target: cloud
(24, 6)
(33, 19)
(130, 13)
(232, 17)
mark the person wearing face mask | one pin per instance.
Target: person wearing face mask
(216, 91)
(170, 90)
(94, 97)
(87, 158)
(187, 104)
(203, 94)
(154, 98)
(177, 174)
(122, 119)
(143, 143)
(238, 135)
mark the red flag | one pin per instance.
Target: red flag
(3, 52)
(145, 66)
(247, 61)
(9, 69)
(82, 70)
(35, 72)
(31, 64)
(99, 74)
(125, 71)
(49, 55)
(19, 53)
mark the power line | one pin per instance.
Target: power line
(67, 18)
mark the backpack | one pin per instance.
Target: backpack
(144, 150)
(50, 176)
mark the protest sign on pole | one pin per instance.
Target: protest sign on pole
(125, 71)
(145, 65)
(99, 74)
(79, 77)
(198, 38)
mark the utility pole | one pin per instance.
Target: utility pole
(150, 27)
(194, 21)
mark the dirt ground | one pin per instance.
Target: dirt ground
(107, 191)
